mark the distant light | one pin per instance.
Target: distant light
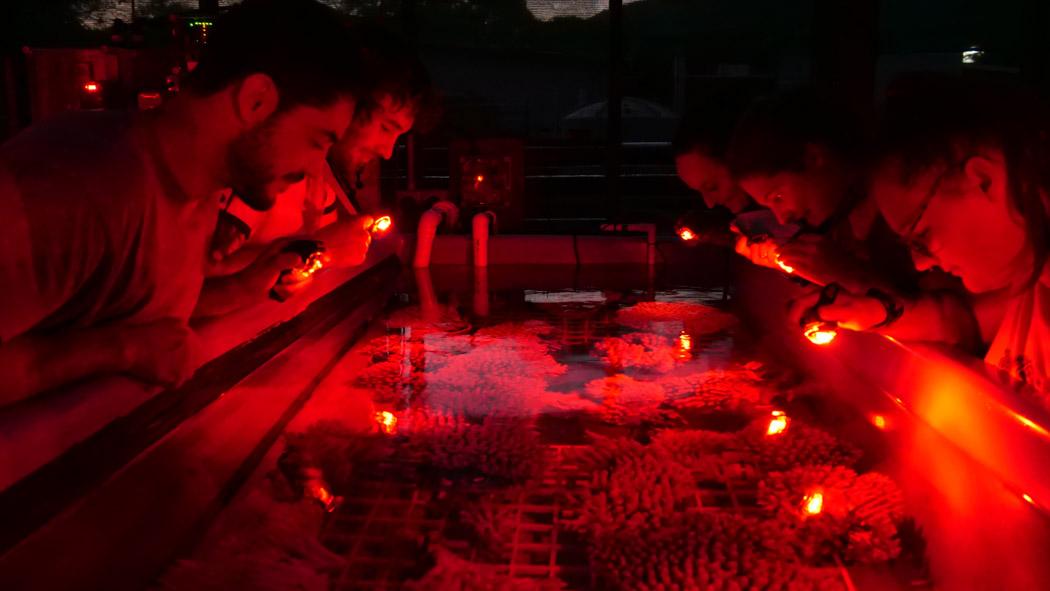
(91, 87)
(387, 422)
(813, 503)
(777, 424)
(972, 55)
(879, 421)
(787, 268)
(479, 179)
(820, 333)
(686, 234)
(1028, 498)
(381, 225)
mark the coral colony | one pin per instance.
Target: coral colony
(647, 500)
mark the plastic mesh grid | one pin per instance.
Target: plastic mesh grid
(381, 528)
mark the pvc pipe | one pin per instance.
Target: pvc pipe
(480, 231)
(481, 292)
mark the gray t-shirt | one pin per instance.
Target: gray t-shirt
(94, 229)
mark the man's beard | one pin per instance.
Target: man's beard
(251, 172)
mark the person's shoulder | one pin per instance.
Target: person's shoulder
(92, 156)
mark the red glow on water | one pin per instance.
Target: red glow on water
(686, 234)
(387, 422)
(685, 345)
(820, 333)
(91, 87)
(777, 424)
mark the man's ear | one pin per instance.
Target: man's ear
(255, 99)
(987, 174)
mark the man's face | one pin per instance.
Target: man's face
(710, 177)
(374, 136)
(268, 158)
(795, 197)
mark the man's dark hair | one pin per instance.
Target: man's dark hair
(708, 125)
(772, 136)
(392, 68)
(304, 46)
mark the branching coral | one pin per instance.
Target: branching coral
(709, 550)
(506, 448)
(856, 517)
(452, 573)
(637, 491)
(640, 350)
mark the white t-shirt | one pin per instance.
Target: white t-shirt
(96, 230)
(1021, 347)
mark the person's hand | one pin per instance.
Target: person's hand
(761, 253)
(855, 312)
(819, 260)
(265, 272)
(165, 353)
(348, 241)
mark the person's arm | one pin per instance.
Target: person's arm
(939, 316)
(249, 286)
(160, 353)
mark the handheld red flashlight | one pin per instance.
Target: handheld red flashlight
(381, 225)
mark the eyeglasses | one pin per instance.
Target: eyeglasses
(920, 244)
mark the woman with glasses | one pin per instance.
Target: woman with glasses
(963, 179)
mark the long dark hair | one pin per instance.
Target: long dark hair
(934, 120)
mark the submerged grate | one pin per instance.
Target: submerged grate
(382, 529)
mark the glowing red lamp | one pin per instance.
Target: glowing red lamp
(820, 333)
(778, 423)
(813, 503)
(91, 87)
(879, 421)
(387, 422)
(382, 225)
(785, 267)
(686, 234)
(314, 263)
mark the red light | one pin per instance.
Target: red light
(313, 264)
(685, 344)
(879, 421)
(820, 333)
(382, 225)
(686, 234)
(387, 422)
(813, 503)
(778, 423)
(1028, 498)
(787, 268)
(91, 87)
(479, 179)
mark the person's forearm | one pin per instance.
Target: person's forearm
(32, 364)
(943, 317)
(222, 295)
